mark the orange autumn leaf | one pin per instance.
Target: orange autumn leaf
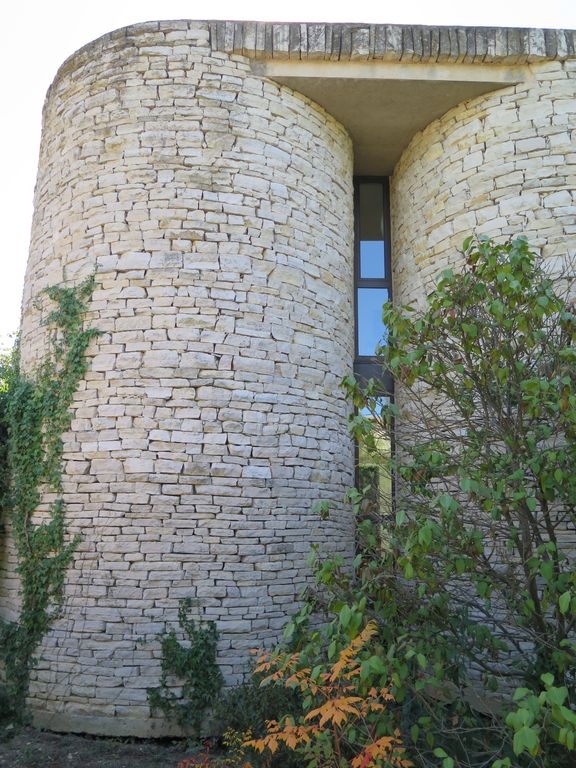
(387, 748)
(335, 711)
(289, 734)
(346, 658)
(298, 679)
(386, 695)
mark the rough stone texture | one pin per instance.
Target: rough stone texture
(503, 164)
(341, 42)
(500, 165)
(216, 209)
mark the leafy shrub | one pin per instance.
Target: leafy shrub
(243, 711)
(547, 714)
(202, 706)
(470, 575)
(341, 723)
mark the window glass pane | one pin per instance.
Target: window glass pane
(371, 226)
(374, 471)
(372, 258)
(376, 407)
(370, 326)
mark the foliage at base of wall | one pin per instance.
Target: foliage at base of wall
(243, 712)
(470, 575)
(194, 667)
(343, 721)
(206, 710)
(35, 414)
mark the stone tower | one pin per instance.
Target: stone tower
(184, 164)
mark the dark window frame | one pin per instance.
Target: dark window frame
(368, 366)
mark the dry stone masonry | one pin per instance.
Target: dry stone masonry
(501, 165)
(215, 207)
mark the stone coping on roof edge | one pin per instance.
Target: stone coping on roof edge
(359, 42)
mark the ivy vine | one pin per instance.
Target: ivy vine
(195, 665)
(35, 414)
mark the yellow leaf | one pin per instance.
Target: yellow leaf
(346, 657)
(335, 710)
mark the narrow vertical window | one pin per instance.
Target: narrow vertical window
(372, 272)
(372, 288)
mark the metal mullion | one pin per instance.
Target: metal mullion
(372, 282)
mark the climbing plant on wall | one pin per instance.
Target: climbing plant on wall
(35, 413)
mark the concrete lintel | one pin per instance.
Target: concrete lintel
(384, 104)
(497, 74)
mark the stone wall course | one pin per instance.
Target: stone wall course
(500, 165)
(215, 207)
(216, 210)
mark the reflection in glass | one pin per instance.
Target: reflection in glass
(371, 327)
(374, 471)
(371, 230)
(372, 258)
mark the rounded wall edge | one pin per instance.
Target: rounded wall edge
(216, 209)
(499, 165)
(120, 36)
(69, 93)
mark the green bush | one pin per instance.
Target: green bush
(469, 574)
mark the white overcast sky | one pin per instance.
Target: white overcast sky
(38, 36)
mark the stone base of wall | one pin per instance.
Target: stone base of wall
(143, 728)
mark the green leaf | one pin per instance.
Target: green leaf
(526, 739)
(470, 329)
(400, 517)
(520, 693)
(547, 570)
(564, 602)
(345, 616)
(377, 665)
(557, 696)
(425, 535)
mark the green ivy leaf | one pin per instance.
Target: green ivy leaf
(564, 602)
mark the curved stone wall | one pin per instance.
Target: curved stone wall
(216, 209)
(501, 165)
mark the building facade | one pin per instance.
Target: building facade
(205, 172)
